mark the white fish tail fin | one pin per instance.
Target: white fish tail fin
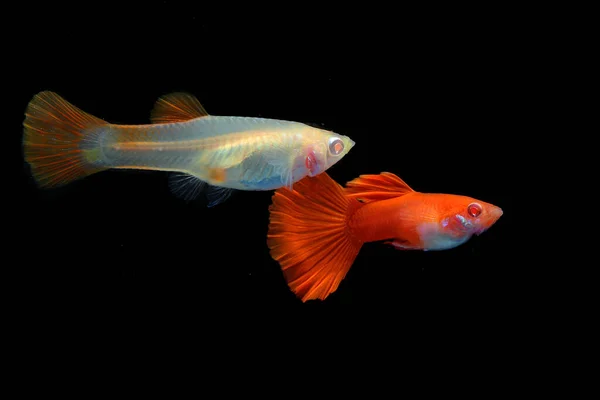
(60, 142)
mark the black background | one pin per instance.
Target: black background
(432, 95)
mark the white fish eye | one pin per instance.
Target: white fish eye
(336, 146)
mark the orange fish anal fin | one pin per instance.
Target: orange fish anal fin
(309, 236)
(176, 107)
(402, 245)
(60, 141)
(377, 187)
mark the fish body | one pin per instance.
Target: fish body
(317, 230)
(419, 221)
(232, 152)
(221, 153)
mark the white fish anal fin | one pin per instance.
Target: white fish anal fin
(176, 107)
(186, 186)
(217, 195)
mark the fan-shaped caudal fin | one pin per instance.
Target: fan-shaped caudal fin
(60, 142)
(376, 187)
(310, 238)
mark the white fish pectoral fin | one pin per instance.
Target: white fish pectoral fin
(265, 165)
(289, 182)
(281, 161)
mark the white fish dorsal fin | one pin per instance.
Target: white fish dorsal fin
(377, 187)
(176, 107)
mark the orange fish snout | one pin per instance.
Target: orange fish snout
(489, 218)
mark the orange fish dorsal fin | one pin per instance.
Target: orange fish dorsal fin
(377, 187)
(176, 107)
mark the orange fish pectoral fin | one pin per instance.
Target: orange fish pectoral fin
(377, 187)
(176, 107)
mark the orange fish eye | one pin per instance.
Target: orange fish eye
(336, 146)
(474, 210)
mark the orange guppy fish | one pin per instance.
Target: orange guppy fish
(209, 154)
(317, 229)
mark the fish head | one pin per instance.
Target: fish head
(454, 219)
(324, 150)
(463, 215)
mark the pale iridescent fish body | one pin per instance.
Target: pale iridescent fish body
(232, 152)
(63, 143)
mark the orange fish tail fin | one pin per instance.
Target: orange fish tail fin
(310, 238)
(60, 142)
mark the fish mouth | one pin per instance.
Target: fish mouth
(494, 215)
(351, 143)
(480, 231)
